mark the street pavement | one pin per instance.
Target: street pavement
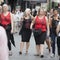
(32, 51)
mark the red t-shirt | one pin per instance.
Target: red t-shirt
(40, 23)
(5, 20)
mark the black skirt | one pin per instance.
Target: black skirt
(40, 38)
(25, 35)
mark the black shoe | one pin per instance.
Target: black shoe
(49, 50)
(42, 56)
(20, 53)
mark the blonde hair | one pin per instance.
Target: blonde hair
(27, 10)
(5, 5)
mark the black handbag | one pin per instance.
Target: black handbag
(37, 32)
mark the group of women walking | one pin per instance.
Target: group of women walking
(44, 26)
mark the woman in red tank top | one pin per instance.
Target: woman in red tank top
(40, 24)
(7, 23)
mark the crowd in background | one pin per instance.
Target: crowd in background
(44, 25)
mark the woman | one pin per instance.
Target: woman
(7, 23)
(26, 31)
(58, 39)
(3, 44)
(53, 25)
(48, 40)
(40, 27)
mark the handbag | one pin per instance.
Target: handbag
(37, 32)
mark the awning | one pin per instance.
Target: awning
(42, 1)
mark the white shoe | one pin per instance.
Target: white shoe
(52, 55)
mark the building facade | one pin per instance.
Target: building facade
(32, 3)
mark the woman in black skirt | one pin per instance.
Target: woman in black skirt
(25, 30)
(41, 26)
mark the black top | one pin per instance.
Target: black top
(27, 23)
(54, 24)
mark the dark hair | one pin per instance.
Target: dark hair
(55, 9)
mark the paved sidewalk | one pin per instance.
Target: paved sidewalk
(31, 53)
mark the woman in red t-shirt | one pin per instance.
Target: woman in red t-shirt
(7, 23)
(41, 27)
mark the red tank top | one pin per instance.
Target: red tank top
(40, 24)
(5, 20)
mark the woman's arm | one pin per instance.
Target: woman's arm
(12, 18)
(58, 28)
(50, 22)
(33, 21)
(48, 29)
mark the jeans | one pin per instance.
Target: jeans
(53, 38)
(58, 45)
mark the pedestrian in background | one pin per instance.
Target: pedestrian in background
(48, 41)
(25, 30)
(40, 28)
(17, 18)
(53, 25)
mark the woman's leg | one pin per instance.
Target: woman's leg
(37, 50)
(53, 44)
(9, 47)
(27, 46)
(48, 42)
(41, 49)
(58, 46)
(21, 47)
